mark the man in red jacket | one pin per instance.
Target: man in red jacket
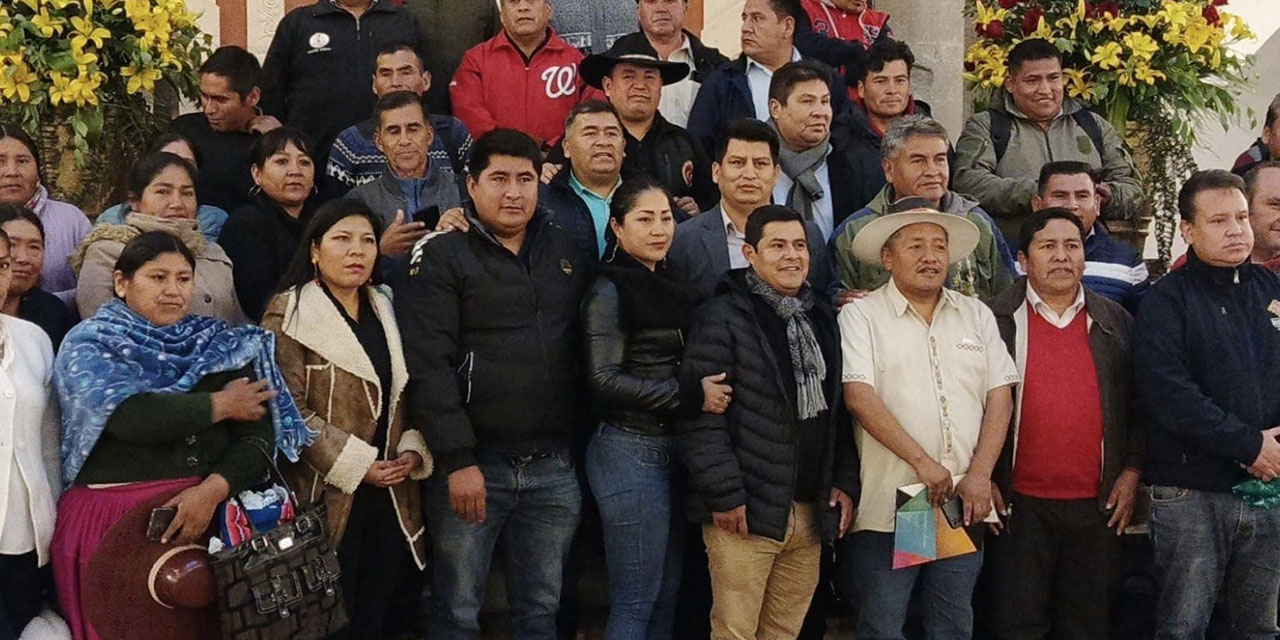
(525, 78)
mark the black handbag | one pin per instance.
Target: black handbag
(281, 584)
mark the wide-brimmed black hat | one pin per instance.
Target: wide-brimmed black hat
(635, 51)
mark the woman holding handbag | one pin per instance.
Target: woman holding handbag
(340, 351)
(154, 399)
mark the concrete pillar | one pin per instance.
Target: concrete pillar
(936, 31)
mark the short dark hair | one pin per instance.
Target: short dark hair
(167, 137)
(747, 130)
(239, 67)
(1063, 168)
(1273, 112)
(503, 142)
(275, 141)
(1201, 181)
(590, 106)
(300, 270)
(4, 236)
(788, 9)
(1030, 51)
(398, 100)
(151, 165)
(884, 51)
(397, 47)
(1255, 174)
(1038, 220)
(766, 214)
(792, 74)
(11, 130)
(147, 247)
(11, 212)
(625, 196)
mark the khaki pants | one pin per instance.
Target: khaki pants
(760, 587)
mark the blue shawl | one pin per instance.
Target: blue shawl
(117, 354)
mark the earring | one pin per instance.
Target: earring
(255, 190)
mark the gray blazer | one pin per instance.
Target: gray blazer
(699, 255)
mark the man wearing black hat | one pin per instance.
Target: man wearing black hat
(632, 77)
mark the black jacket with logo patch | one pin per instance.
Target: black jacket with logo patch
(318, 70)
(492, 341)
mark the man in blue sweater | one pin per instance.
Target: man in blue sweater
(1112, 269)
(1206, 361)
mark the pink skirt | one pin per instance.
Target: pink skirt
(84, 516)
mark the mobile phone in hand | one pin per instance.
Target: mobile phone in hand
(161, 518)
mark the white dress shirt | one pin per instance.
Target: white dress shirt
(677, 99)
(933, 377)
(758, 78)
(736, 240)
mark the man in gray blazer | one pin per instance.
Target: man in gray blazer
(708, 246)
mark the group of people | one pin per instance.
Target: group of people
(732, 309)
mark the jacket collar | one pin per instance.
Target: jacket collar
(551, 43)
(1069, 106)
(1103, 315)
(540, 220)
(311, 318)
(329, 7)
(1218, 276)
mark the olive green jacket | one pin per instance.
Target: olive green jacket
(1004, 189)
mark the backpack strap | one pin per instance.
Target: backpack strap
(1089, 123)
(1001, 131)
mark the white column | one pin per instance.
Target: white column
(210, 19)
(263, 17)
(936, 30)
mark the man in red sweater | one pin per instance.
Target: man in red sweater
(525, 78)
(1069, 469)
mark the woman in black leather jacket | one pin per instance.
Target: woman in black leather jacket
(635, 318)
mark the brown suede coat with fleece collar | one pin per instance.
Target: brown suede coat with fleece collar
(338, 393)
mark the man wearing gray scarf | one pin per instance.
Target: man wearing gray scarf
(772, 471)
(816, 179)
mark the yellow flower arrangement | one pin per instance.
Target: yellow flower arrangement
(70, 60)
(1128, 59)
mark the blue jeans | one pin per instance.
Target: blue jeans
(1210, 547)
(532, 509)
(946, 590)
(631, 477)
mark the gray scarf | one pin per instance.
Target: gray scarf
(802, 168)
(806, 354)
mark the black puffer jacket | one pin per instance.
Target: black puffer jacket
(749, 455)
(491, 340)
(634, 322)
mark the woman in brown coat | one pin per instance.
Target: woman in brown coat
(340, 352)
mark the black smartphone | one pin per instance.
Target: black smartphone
(953, 511)
(161, 518)
(429, 216)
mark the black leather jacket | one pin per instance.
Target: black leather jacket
(632, 371)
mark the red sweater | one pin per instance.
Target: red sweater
(1059, 447)
(833, 22)
(495, 86)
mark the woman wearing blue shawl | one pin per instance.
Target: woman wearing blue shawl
(158, 401)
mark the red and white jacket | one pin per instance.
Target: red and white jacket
(496, 87)
(829, 20)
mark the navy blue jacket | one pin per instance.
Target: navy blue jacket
(725, 95)
(571, 214)
(1113, 270)
(1206, 360)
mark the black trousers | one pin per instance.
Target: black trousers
(22, 589)
(373, 556)
(1057, 572)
